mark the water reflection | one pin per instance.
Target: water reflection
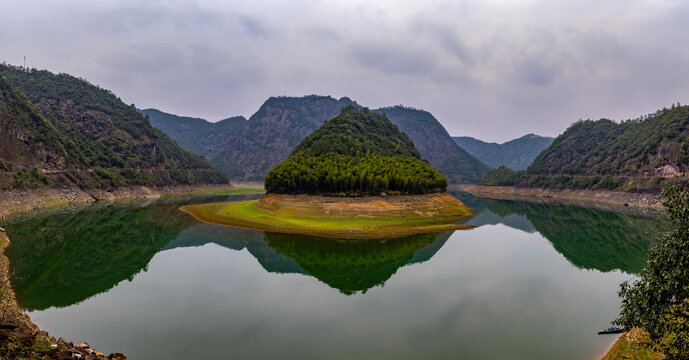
(355, 267)
(588, 238)
(67, 255)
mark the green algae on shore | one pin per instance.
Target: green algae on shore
(372, 217)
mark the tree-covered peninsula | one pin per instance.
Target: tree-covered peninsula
(357, 176)
(355, 153)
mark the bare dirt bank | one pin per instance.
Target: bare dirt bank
(14, 201)
(586, 197)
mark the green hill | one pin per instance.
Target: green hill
(515, 154)
(355, 133)
(635, 155)
(355, 153)
(61, 130)
(248, 150)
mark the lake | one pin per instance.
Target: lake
(531, 281)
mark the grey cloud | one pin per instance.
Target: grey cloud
(253, 26)
(539, 75)
(142, 15)
(321, 33)
(493, 70)
(447, 35)
(393, 60)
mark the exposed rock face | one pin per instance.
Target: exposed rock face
(270, 135)
(272, 132)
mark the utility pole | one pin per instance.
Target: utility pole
(24, 62)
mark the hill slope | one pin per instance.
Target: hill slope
(194, 134)
(29, 140)
(91, 138)
(282, 122)
(635, 155)
(355, 153)
(436, 145)
(515, 154)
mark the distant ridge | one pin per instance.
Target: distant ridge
(515, 154)
(270, 134)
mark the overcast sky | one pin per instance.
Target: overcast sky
(490, 69)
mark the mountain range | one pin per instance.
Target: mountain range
(515, 154)
(248, 149)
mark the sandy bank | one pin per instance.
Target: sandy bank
(582, 197)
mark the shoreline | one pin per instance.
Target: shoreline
(20, 200)
(28, 336)
(597, 198)
(632, 344)
(369, 217)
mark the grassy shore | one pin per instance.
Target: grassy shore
(634, 345)
(347, 217)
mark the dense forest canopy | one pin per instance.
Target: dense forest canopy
(356, 153)
(84, 136)
(635, 155)
(358, 132)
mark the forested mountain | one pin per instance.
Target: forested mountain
(355, 153)
(635, 155)
(282, 122)
(28, 139)
(61, 130)
(194, 134)
(515, 154)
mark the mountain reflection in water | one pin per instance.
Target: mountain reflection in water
(67, 255)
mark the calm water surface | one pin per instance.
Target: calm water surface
(531, 281)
